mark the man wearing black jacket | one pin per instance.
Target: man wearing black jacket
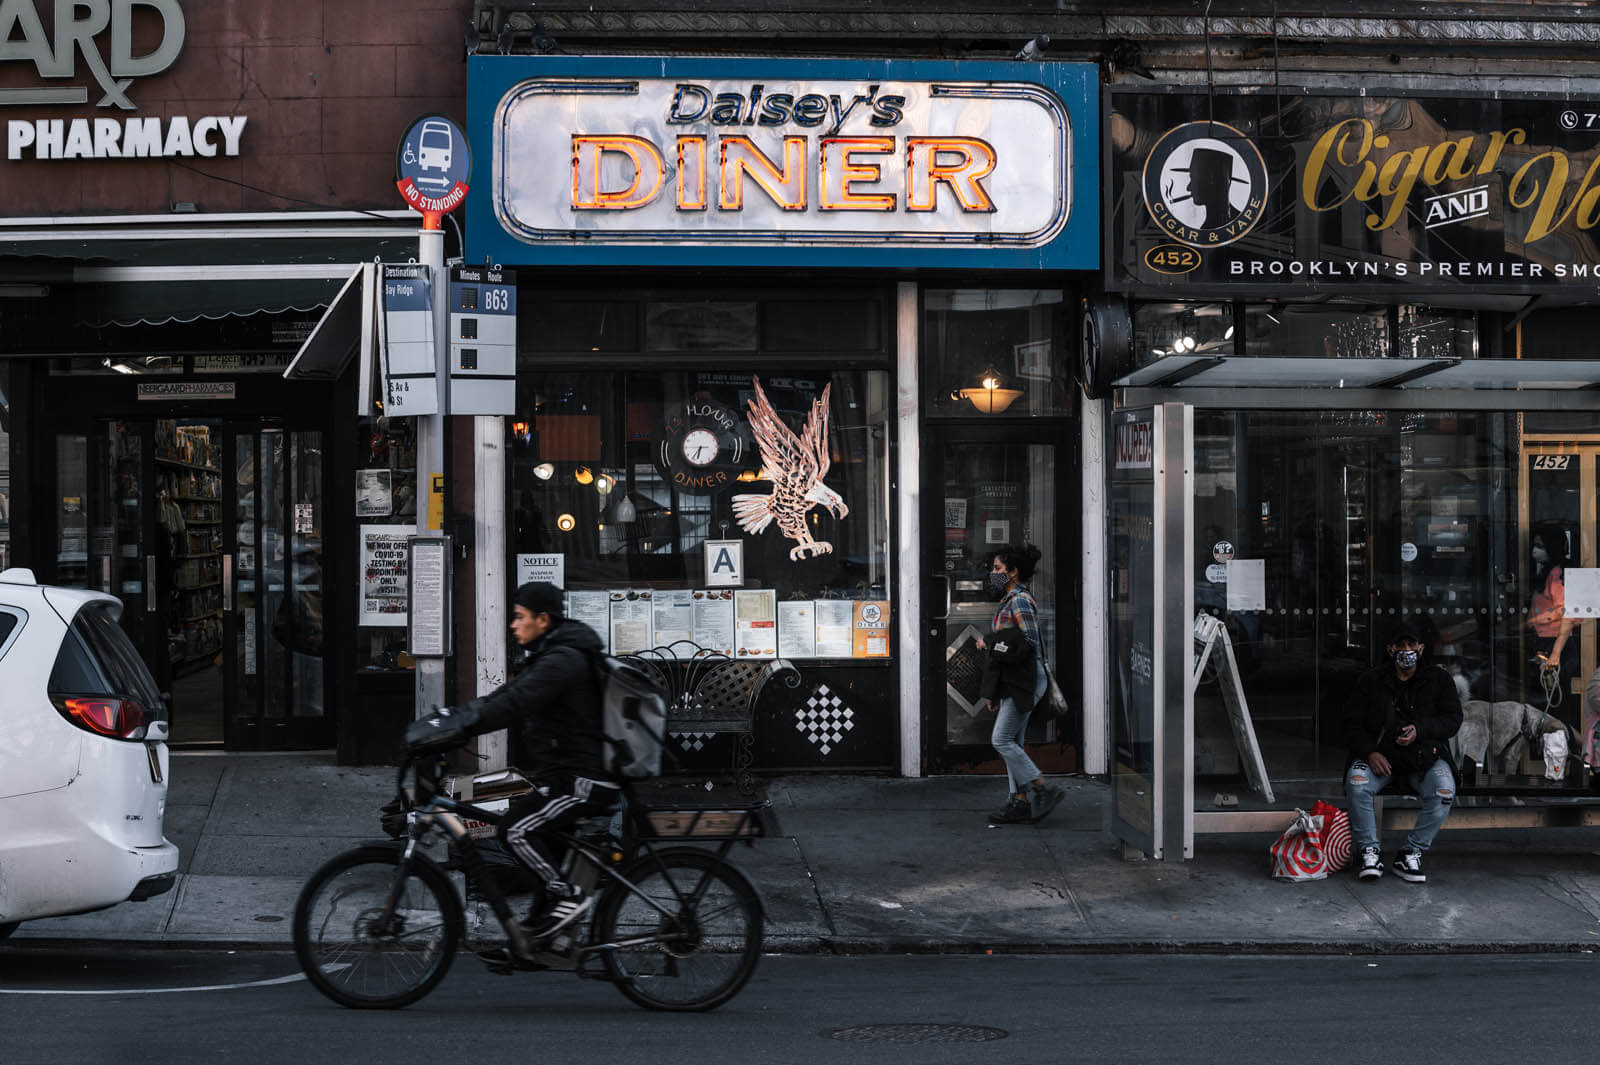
(1398, 723)
(555, 704)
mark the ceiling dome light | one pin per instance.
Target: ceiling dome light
(545, 470)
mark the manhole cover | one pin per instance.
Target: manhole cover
(915, 1033)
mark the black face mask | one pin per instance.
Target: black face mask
(1407, 659)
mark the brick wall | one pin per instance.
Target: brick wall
(327, 87)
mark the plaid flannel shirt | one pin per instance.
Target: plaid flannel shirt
(1019, 609)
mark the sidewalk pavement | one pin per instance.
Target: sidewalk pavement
(874, 864)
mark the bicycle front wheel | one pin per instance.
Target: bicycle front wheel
(688, 939)
(357, 950)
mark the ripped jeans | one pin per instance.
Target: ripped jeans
(1437, 787)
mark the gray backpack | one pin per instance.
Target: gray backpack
(633, 716)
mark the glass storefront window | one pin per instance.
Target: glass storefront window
(1362, 517)
(1316, 331)
(991, 352)
(638, 482)
(1162, 329)
(700, 325)
(386, 495)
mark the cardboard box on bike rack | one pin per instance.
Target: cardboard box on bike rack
(492, 792)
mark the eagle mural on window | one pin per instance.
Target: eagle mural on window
(795, 465)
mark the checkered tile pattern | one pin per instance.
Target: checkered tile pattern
(824, 719)
(692, 741)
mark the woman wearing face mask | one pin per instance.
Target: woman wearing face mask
(1014, 682)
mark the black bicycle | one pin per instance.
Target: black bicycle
(675, 927)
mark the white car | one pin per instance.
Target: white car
(83, 757)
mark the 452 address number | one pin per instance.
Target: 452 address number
(1171, 259)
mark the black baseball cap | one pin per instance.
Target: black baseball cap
(1405, 629)
(540, 597)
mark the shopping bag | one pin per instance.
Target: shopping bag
(1297, 855)
(1054, 700)
(1336, 843)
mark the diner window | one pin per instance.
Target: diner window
(609, 327)
(994, 352)
(669, 498)
(700, 325)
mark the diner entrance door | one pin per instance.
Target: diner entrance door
(992, 490)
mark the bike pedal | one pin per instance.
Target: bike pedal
(504, 963)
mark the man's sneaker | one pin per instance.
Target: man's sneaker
(1408, 867)
(1016, 811)
(1042, 798)
(1371, 867)
(559, 916)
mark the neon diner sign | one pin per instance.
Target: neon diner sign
(815, 161)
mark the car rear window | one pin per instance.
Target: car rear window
(8, 625)
(97, 658)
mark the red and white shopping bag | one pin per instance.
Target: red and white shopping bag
(1336, 845)
(1298, 854)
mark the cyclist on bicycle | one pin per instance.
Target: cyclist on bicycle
(555, 702)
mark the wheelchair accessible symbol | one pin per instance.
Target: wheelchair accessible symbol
(432, 167)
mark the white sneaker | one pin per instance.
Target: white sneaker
(559, 916)
(1408, 867)
(1371, 867)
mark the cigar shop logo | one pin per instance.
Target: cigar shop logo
(1205, 184)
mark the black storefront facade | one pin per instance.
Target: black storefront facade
(792, 357)
(1379, 307)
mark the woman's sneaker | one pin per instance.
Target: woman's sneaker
(1042, 798)
(1371, 864)
(1408, 867)
(1016, 811)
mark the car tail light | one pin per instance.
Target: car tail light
(105, 715)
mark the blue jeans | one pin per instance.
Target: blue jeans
(1437, 787)
(1010, 725)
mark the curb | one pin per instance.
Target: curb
(844, 947)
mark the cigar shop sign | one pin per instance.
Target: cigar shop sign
(771, 162)
(68, 50)
(1288, 192)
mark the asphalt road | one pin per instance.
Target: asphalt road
(89, 1006)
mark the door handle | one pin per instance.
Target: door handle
(930, 594)
(227, 584)
(149, 584)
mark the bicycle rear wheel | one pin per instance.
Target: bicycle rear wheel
(358, 957)
(697, 950)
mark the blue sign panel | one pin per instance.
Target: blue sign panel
(774, 162)
(433, 165)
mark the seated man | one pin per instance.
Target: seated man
(555, 703)
(1398, 723)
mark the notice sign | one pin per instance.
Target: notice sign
(384, 586)
(429, 614)
(551, 569)
(409, 384)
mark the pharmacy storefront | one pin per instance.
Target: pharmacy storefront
(767, 311)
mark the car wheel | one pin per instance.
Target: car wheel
(7, 929)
